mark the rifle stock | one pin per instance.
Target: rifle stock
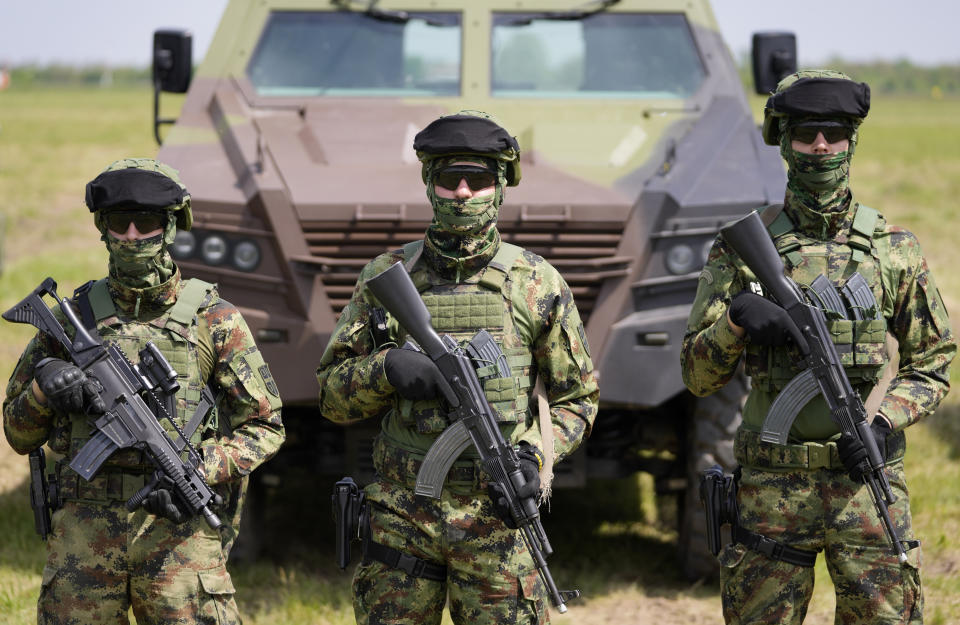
(394, 289)
(748, 237)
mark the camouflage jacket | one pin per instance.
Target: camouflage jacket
(353, 384)
(914, 313)
(250, 404)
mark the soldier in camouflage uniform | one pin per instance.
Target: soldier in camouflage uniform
(418, 549)
(169, 566)
(806, 496)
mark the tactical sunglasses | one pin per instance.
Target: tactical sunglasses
(808, 134)
(477, 177)
(145, 221)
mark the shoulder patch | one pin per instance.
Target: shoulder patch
(706, 276)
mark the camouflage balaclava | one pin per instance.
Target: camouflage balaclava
(140, 268)
(463, 235)
(817, 184)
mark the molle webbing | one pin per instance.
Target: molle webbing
(487, 305)
(857, 334)
(175, 334)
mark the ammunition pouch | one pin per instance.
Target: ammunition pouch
(718, 493)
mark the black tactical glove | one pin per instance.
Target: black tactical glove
(415, 376)
(164, 503)
(531, 460)
(765, 322)
(67, 388)
(853, 454)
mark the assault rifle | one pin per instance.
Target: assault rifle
(824, 372)
(128, 420)
(472, 420)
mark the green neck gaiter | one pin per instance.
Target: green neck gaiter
(463, 236)
(819, 183)
(140, 264)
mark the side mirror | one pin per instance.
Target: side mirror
(172, 68)
(774, 56)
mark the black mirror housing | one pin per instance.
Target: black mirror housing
(774, 56)
(172, 60)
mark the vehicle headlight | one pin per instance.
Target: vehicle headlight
(246, 256)
(214, 249)
(680, 259)
(184, 245)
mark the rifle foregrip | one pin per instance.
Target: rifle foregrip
(750, 240)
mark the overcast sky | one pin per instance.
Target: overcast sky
(119, 32)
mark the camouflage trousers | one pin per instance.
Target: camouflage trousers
(820, 510)
(490, 573)
(103, 560)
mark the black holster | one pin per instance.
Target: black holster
(718, 493)
(44, 493)
(348, 510)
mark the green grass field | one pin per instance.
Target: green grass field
(610, 541)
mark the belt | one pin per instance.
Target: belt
(750, 451)
(402, 466)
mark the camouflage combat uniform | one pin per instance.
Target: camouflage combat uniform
(800, 494)
(524, 302)
(102, 559)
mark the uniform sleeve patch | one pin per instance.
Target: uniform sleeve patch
(268, 380)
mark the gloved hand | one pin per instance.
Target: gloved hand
(765, 322)
(531, 459)
(163, 502)
(415, 376)
(67, 388)
(853, 454)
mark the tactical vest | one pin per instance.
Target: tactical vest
(860, 343)
(175, 333)
(461, 309)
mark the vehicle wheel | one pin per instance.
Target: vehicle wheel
(713, 420)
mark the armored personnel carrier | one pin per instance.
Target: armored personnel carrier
(295, 140)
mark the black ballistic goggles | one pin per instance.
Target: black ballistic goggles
(145, 221)
(477, 177)
(808, 134)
